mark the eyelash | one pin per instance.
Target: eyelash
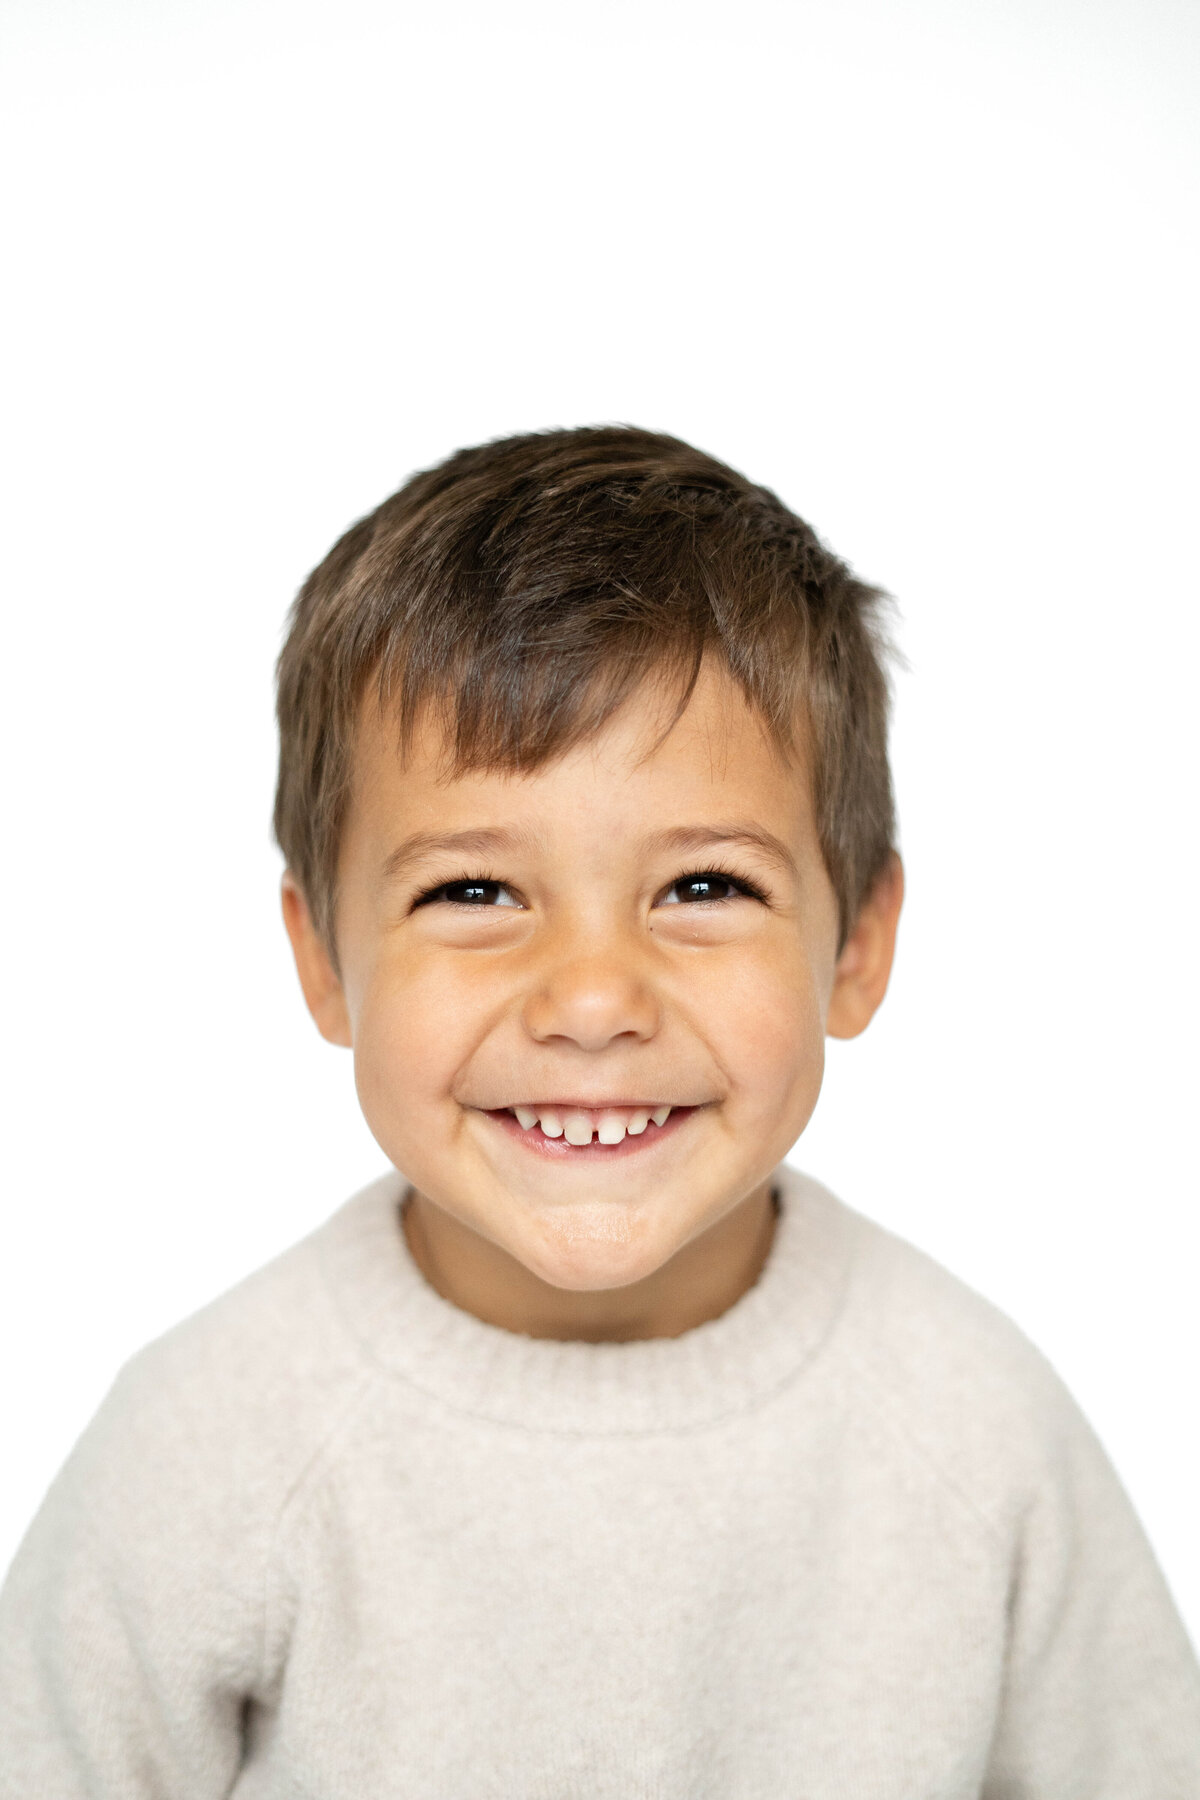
(479, 879)
(748, 887)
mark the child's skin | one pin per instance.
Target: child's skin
(589, 974)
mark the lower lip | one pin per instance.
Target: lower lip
(538, 1144)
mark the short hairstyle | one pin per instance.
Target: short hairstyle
(526, 587)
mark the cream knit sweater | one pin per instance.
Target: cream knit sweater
(334, 1538)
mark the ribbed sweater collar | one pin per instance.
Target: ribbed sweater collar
(726, 1366)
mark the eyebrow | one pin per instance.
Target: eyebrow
(686, 838)
(502, 839)
(480, 842)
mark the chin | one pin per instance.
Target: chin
(592, 1247)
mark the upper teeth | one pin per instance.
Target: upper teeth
(610, 1123)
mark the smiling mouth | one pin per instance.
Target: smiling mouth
(576, 1126)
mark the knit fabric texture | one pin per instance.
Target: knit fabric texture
(335, 1539)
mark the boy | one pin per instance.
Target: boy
(598, 1453)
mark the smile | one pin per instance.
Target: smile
(570, 1130)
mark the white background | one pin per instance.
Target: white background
(928, 269)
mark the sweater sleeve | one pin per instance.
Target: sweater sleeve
(1102, 1690)
(130, 1622)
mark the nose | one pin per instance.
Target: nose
(590, 999)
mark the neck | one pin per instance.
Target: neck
(699, 1283)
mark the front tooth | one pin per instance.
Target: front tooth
(526, 1117)
(577, 1128)
(661, 1114)
(552, 1125)
(639, 1118)
(611, 1128)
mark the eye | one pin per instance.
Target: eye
(709, 885)
(471, 893)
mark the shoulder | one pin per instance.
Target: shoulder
(154, 1544)
(958, 1404)
(214, 1422)
(138, 1602)
(950, 1380)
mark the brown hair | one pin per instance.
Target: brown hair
(529, 585)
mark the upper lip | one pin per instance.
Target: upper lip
(595, 1105)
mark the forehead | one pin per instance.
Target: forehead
(719, 746)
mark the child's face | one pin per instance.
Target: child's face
(532, 942)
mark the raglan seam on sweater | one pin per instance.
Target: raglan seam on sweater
(874, 1390)
(319, 1456)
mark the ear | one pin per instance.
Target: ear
(861, 976)
(319, 980)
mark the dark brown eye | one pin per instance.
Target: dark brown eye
(469, 893)
(707, 885)
(472, 893)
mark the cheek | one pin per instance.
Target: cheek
(411, 1032)
(764, 1020)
